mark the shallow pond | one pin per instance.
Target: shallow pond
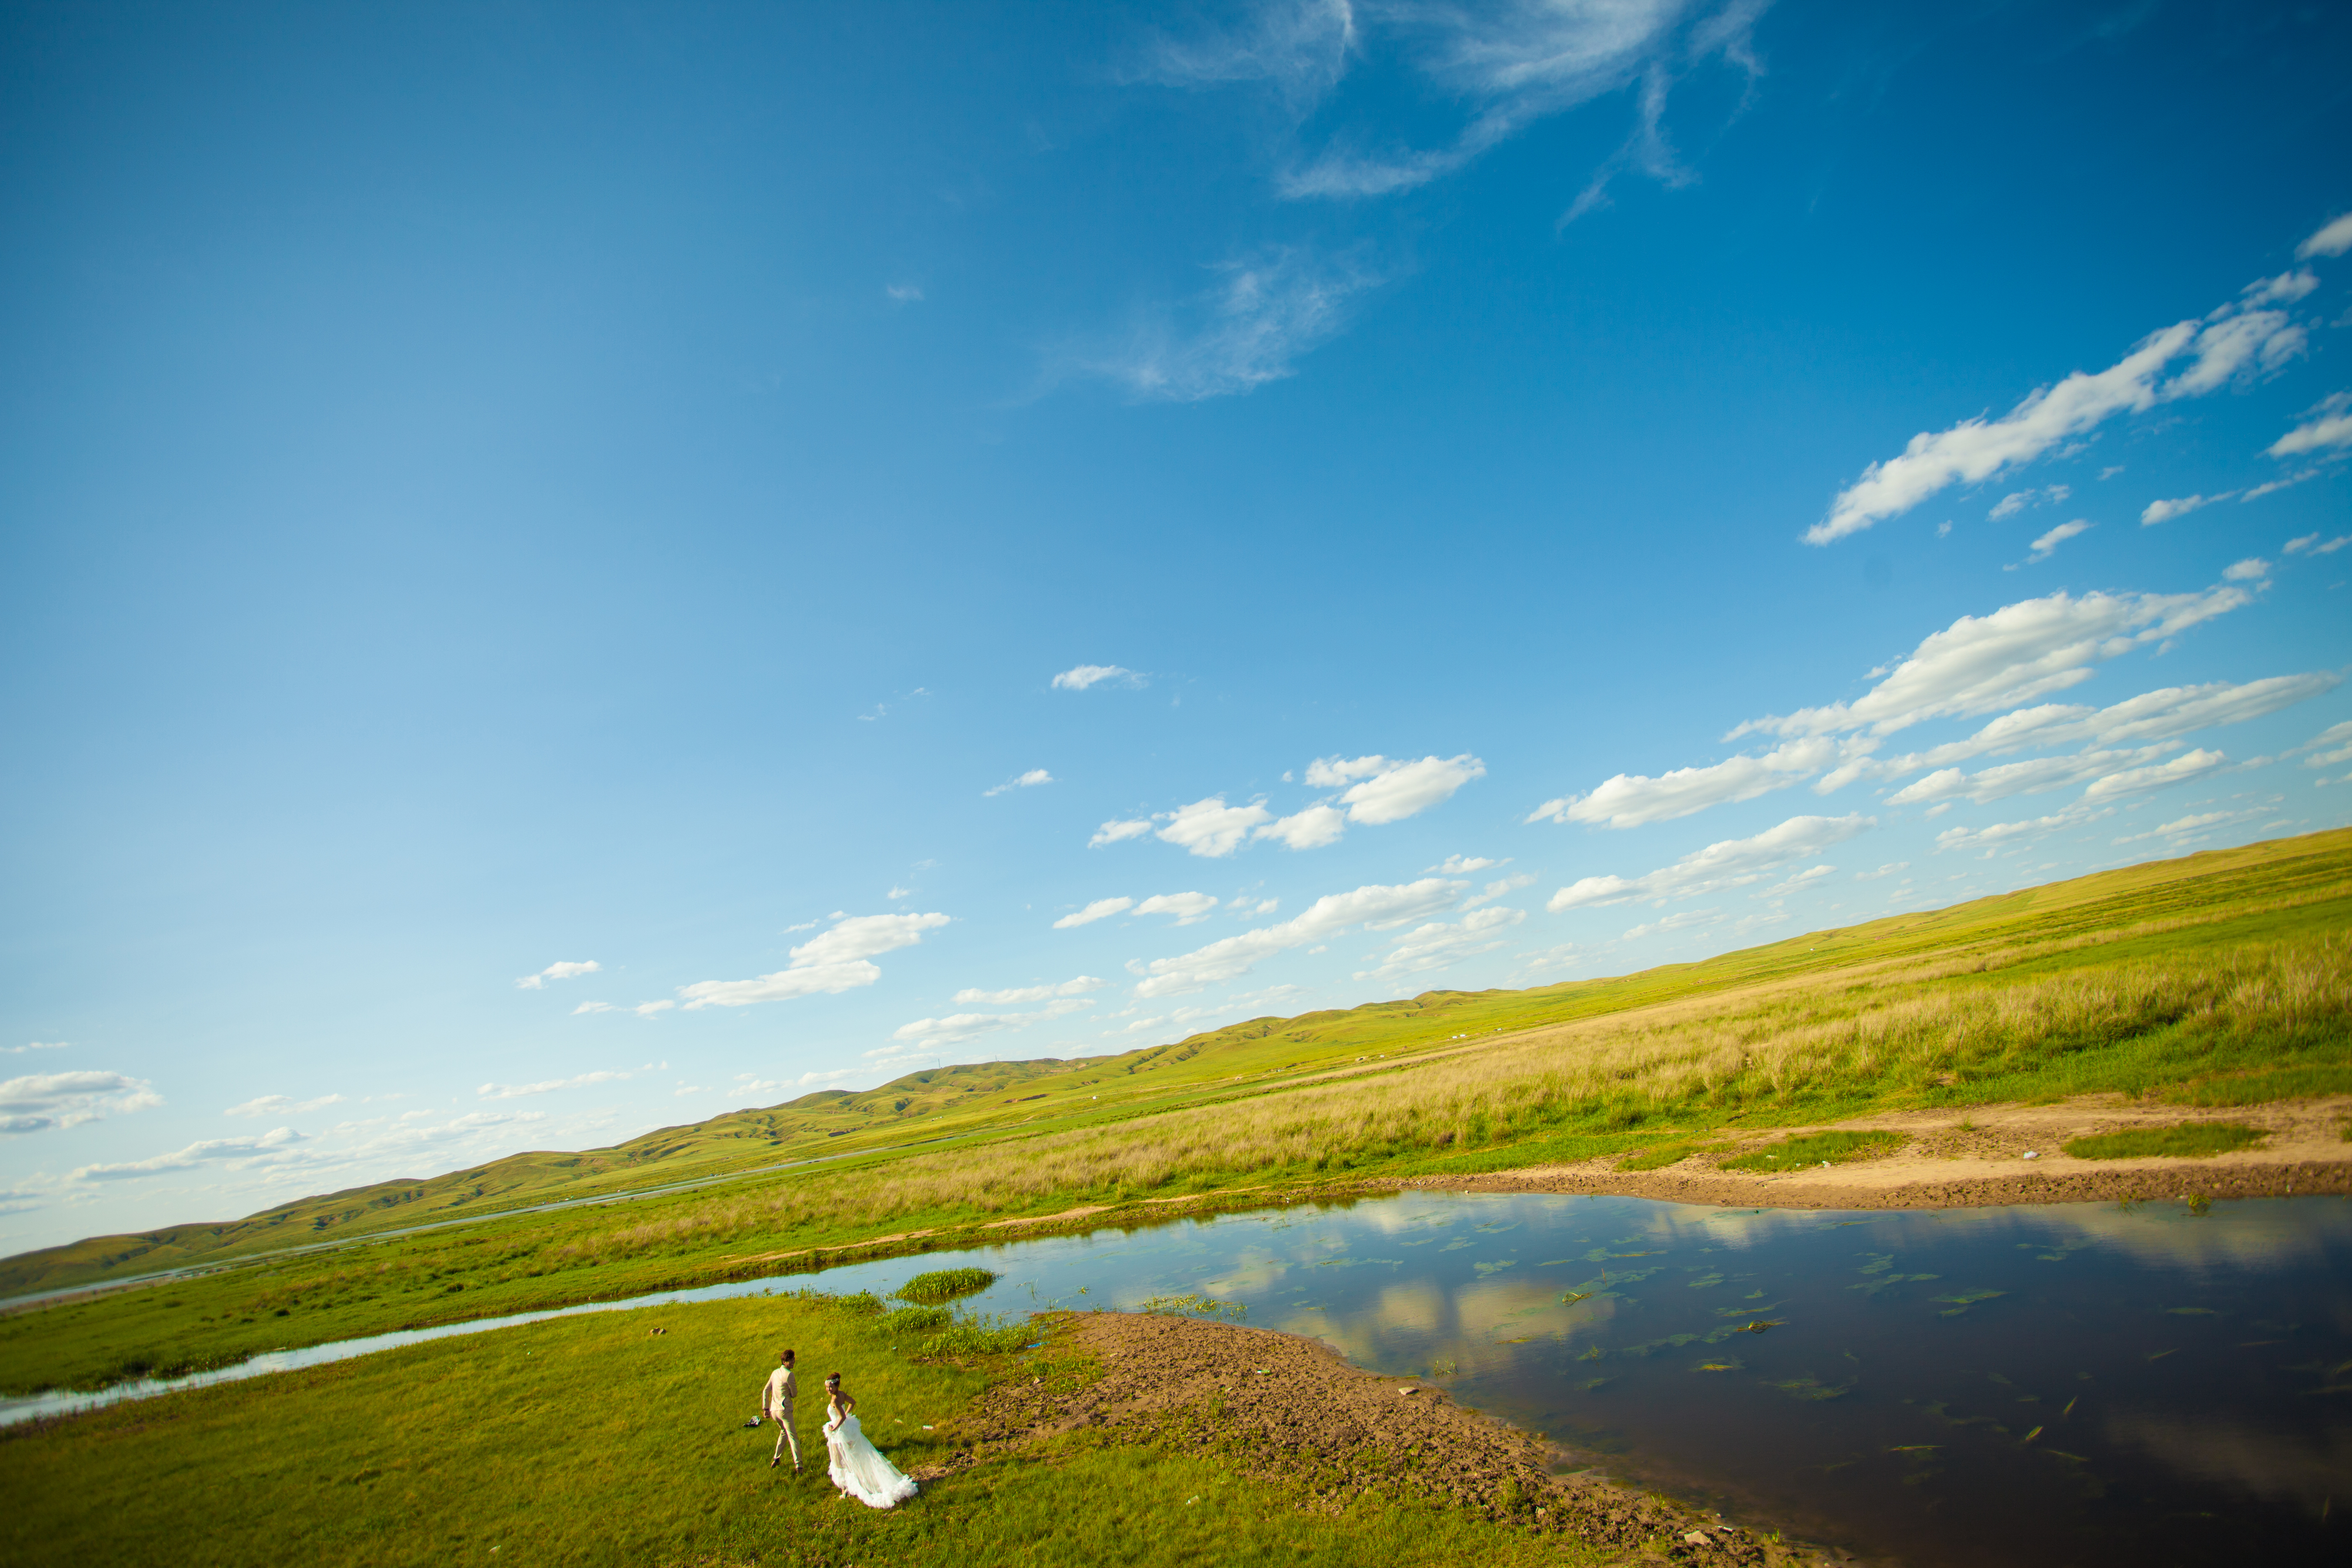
(2075, 1383)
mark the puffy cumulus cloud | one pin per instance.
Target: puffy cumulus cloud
(2158, 511)
(834, 960)
(1266, 310)
(1080, 678)
(2327, 423)
(1100, 909)
(1635, 800)
(1309, 829)
(282, 1105)
(2020, 652)
(1029, 780)
(1390, 791)
(2043, 546)
(2159, 715)
(1374, 907)
(1117, 831)
(237, 1153)
(1019, 995)
(1209, 828)
(548, 1086)
(1189, 909)
(558, 972)
(1732, 863)
(2253, 569)
(1439, 945)
(40, 1101)
(2240, 339)
(2333, 240)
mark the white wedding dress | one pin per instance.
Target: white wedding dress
(859, 1469)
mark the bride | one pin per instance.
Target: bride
(853, 1462)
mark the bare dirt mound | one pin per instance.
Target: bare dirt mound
(1288, 1410)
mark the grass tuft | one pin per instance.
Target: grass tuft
(2261, 1089)
(2190, 1140)
(1815, 1148)
(946, 1285)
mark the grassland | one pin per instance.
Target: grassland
(2223, 978)
(591, 1440)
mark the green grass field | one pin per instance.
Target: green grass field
(589, 1440)
(2221, 978)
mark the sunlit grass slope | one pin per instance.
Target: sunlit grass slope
(2221, 977)
(589, 1440)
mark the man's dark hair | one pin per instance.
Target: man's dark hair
(788, 1358)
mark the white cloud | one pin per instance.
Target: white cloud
(2158, 511)
(2235, 340)
(2253, 569)
(1101, 908)
(1456, 866)
(833, 960)
(548, 1086)
(2000, 833)
(1681, 919)
(648, 1009)
(937, 1033)
(557, 972)
(2287, 287)
(1086, 675)
(1439, 945)
(2037, 776)
(66, 1045)
(2333, 240)
(1511, 66)
(1634, 800)
(237, 1152)
(2288, 483)
(1029, 780)
(2011, 504)
(2333, 427)
(1798, 883)
(1189, 909)
(2183, 827)
(905, 293)
(1113, 831)
(2162, 714)
(1209, 828)
(1301, 47)
(1732, 863)
(2057, 537)
(2339, 736)
(1375, 906)
(2179, 770)
(1309, 829)
(591, 1007)
(1500, 886)
(1392, 791)
(2019, 652)
(282, 1105)
(42, 1100)
(2310, 543)
(1886, 871)
(1267, 310)
(1021, 994)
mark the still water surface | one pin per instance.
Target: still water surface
(2072, 1384)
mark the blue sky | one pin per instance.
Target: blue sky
(570, 570)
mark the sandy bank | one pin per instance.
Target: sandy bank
(1949, 1165)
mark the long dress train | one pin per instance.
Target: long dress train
(859, 1469)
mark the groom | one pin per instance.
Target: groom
(776, 1402)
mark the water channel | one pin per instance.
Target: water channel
(2072, 1384)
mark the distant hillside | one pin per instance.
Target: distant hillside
(996, 1097)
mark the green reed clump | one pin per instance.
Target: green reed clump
(946, 1285)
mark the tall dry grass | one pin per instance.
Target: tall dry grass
(1821, 1045)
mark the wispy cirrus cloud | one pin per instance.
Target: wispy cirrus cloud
(837, 960)
(548, 1086)
(1265, 311)
(1731, 863)
(2326, 424)
(283, 1105)
(1086, 677)
(44, 1101)
(235, 1151)
(1015, 996)
(1374, 907)
(558, 972)
(1441, 944)
(1029, 780)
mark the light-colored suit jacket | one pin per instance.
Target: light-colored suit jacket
(776, 1399)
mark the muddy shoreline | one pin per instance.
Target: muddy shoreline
(1290, 1413)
